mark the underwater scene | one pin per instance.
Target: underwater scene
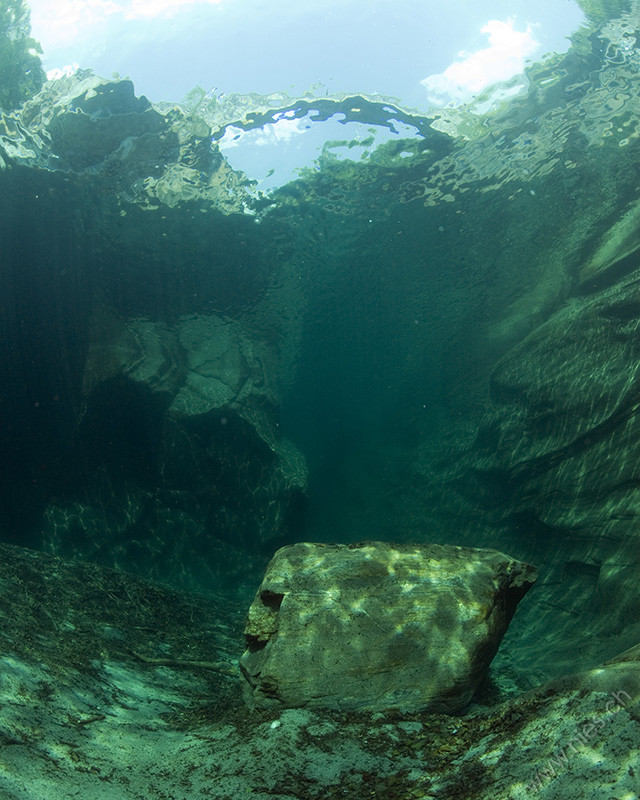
(320, 400)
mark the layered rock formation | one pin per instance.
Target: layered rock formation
(553, 465)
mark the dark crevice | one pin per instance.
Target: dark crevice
(254, 644)
(272, 600)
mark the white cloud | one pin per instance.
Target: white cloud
(57, 23)
(161, 8)
(60, 22)
(272, 133)
(231, 138)
(62, 72)
(503, 59)
(281, 131)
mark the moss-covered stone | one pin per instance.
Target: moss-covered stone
(378, 626)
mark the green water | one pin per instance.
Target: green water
(197, 372)
(429, 336)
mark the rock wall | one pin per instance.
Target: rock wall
(150, 328)
(184, 475)
(553, 471)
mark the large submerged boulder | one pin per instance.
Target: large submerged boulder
(91, 657)
(378, 626)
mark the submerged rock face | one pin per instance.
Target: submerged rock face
(152, 406)
(155, 432)
(378, 626)
(556, 456)
(185, 473)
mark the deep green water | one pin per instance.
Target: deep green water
(438, 343)
(379, 300)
